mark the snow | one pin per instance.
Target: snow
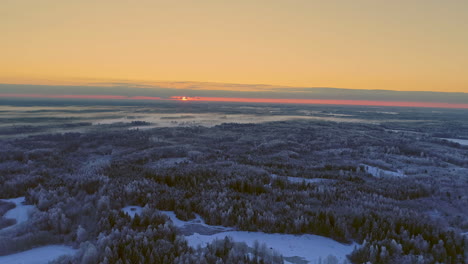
(299, 179)
(378, 172)
(168, 162)
(20, 213)
(196, 225)
(309, 247)
(132, 210)
(176, 221)
(306, 247)
(40, 255)
(403, 131)
(463, 142)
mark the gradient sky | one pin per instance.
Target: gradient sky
(411, 45)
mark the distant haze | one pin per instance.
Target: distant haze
(242, 93)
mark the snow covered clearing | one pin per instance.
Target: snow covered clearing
(308, 247)
(299, 179)
(305, 247)
(378, 172)
(463, 142)
(20, 213)
(132, 210)
(195, 226)
(40, 255)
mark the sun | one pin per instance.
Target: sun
(183, 98)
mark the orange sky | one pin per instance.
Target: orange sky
(418, 45)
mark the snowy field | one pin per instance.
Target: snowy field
(20, 213)
(40, 255)
(302, 248)
(307, 248)
(300, 180)
(463, 142)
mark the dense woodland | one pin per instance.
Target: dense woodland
(235, 175)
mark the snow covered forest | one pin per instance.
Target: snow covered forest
(394, 190)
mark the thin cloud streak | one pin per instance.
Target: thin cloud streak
(67, 96)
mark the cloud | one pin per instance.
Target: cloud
(166, 90)
(78, 96)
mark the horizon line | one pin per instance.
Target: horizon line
(244, 100)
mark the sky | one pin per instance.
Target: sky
(411, 45)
